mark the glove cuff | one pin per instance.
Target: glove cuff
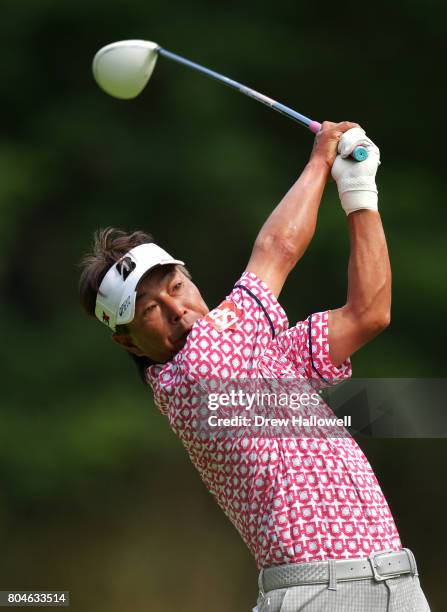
(358, 200)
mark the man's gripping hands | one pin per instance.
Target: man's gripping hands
(356, 180)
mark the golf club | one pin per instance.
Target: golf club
(123, 69)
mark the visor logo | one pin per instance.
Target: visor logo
(125, 267)
(124, 306)
(105, 318)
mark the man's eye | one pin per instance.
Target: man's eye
(149, 309)
(178, 286)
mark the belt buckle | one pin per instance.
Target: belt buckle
(375, 564)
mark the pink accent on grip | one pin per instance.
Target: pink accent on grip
(314, 126)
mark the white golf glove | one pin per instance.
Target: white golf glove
(356, 180)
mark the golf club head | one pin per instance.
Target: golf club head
(122, 69)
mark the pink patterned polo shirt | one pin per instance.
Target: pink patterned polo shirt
(292, 499)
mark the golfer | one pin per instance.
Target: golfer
(310, 509)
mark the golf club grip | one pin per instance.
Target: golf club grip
(359, 154)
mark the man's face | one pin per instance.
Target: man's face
(167, 305)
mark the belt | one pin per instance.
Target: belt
(379, 565)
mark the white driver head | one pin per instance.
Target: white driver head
(123, 69)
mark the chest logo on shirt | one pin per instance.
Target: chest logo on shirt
(225, 316)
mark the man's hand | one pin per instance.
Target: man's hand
(326, 142)
(356, 180)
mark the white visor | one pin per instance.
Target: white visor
(115, 302)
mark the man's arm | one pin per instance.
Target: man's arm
(368, 306)
(288, 231)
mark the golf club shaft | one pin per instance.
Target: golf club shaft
(281, 108)
(359, 154)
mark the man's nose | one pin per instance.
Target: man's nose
(176, 310)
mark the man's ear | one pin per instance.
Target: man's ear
(125, 340)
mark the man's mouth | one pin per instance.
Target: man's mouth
(182, 338)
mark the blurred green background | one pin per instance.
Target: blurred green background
(97, 495)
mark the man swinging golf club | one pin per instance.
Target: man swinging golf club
(309, 509)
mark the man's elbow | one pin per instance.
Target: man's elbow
(378, 322)
(280, 247)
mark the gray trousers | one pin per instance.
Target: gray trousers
(399, 594)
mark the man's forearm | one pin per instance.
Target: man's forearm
(367, 310)
(288, 231)
(369, 271)
(291, 225)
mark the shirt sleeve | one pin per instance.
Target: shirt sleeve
(307, 346)
(254, 295)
